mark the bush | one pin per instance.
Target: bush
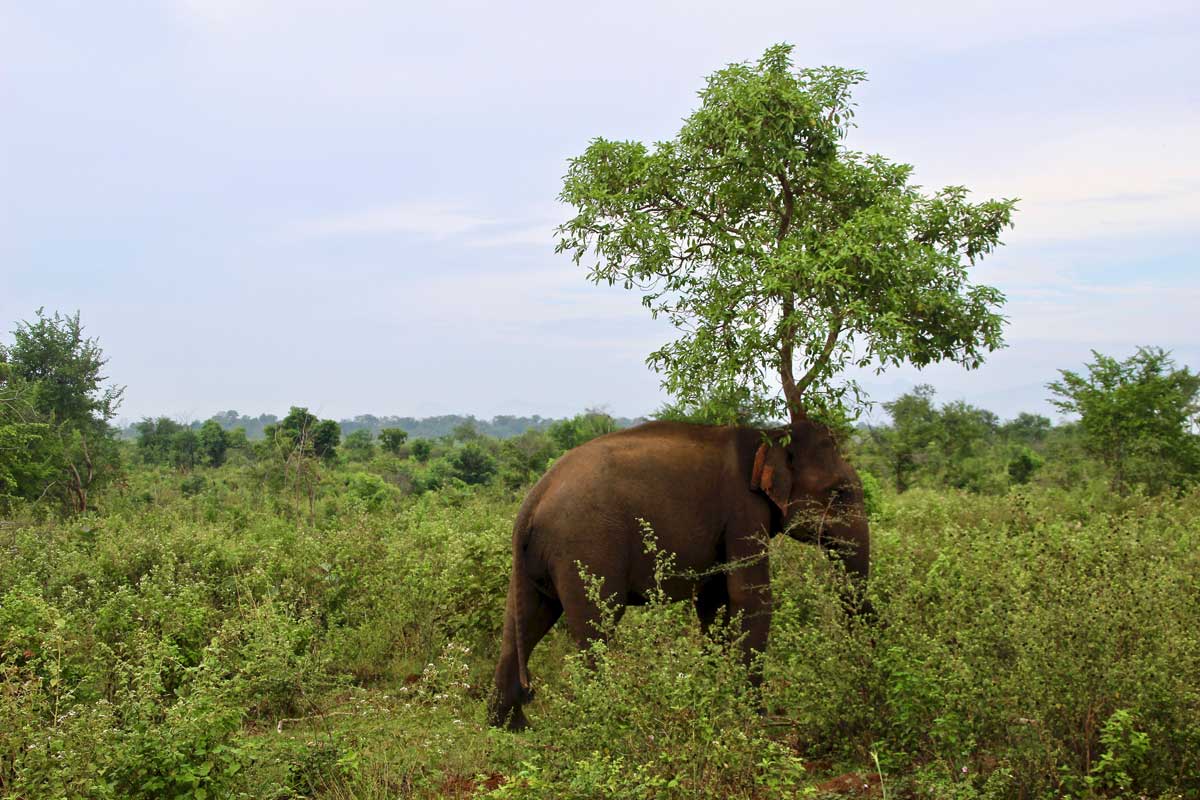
(1010, 630)
(472, 464)
(372, 490)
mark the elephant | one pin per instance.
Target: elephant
(713, 495)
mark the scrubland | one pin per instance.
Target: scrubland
(207, 636)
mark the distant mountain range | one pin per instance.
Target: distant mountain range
(501, 427)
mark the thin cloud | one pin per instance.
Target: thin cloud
(541, 235)
(1088, 179)
(419, 219)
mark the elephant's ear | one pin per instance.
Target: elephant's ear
(771, 475)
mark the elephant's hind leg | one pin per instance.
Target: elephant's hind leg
(583, 616)
(539, 613)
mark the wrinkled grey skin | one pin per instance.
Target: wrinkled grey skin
(699, 489)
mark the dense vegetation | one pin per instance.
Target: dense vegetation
(211, 633)
(317, 615)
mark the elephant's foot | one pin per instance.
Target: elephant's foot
(506, 712)
(517, 721)
(513, 719)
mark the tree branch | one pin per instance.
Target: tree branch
(830, 342)
(789, 207)
(791, 394)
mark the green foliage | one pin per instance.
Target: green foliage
(872, 494)
(733, 408)
(27, 443)
(213, 444)
(1010, 629)
(1140, 416)
(1023, 465)
(185, 449)
(54, 414)
(421, 449)
(779, 253)
(64, 366)
(359, 446)
(570, 433)
(208, 637)
(166, 442)
(524, 458)
(958, 446)
(1124, 756)
(392, 439)
(1029, 429)
(371, 489)
(913, 435)
(473, 464)
(465, 432)
(156, 439)
(302, 433)
(192, 485)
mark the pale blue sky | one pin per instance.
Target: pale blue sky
(350, 205)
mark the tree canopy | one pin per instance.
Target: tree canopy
(1140, 416)
(782, 256)
(302, 433)
(55, 409)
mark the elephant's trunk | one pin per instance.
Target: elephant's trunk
(850, 545)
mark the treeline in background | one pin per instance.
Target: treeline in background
(1136, 427)
(501, 426)
(194, 612)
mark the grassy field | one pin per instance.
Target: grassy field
(203, 639)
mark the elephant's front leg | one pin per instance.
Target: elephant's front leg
(750, 602)
(712, 599)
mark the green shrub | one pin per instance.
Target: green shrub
(372, 490)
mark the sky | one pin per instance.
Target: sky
(350, 205)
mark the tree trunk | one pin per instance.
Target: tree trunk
(787, 354)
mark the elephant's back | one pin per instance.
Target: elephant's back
(672, 475)
(656, 455)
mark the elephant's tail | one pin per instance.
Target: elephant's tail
(519, 587)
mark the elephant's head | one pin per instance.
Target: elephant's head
(816, 494)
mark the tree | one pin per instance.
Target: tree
(569, 433)
(1023, 464)
(966, 435)
(913, 434)
(1140, 416)
(303, 432)
(421, 450)
(156, 439)
(56, 371)
(27, 463)
(392, 439)
(298, 444)
(53, 355)
(473, 464)
(525, 456)
(185, 449)
(213, 443)
(1026, 428)
(778, 253)
(359, 445)
(465, 431)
